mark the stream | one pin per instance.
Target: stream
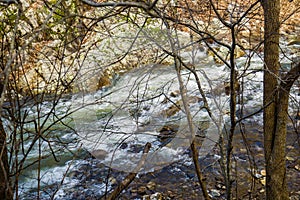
(110, 127)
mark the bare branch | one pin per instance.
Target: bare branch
(142, 5)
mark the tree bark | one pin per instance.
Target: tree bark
(5, 189)
(276, 96)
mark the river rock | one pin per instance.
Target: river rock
(172, 110)
(263, 172)
(146, 197)
(133, 191)
(175, 93)
(151, 185)
(104, 81)
(175, 108)
(142, 190)
(136, 148)
(156, 196)
(263, 181)
(171, 194)
(167, 132)
(215, 193)
(99, 154)
(124, 145)
(112, 180)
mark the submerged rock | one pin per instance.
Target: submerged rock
(176, 107)
(136, 148)
(167, 133)
(99, 154)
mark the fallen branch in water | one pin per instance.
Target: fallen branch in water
(129, 178)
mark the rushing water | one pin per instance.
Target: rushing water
(131, 113)
(115, 123)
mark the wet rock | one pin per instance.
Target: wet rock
(134, 196)
(135, 112)
(104, 81)
(146, 197)
(258, 176)
(263, 181)
(175, 108)
(194, 99)
(156, 196)
(175, 93)
(172, 110)
(171, 194)
(142, 190)
(136, 148)
(243, 150)
(263, 172)
(146, 107)
(190, 175)
(151, 185)
(262, 191)
(289, 158)
(185, 186)
(133, 191)
(99, 154)
(113, 181)
(215, 193)
(220, 186)
(290, 147)
(167, 133)
(124, 145)
(165, 101)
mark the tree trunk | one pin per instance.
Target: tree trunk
(5, 190)
(276, 98)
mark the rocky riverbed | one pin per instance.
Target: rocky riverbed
(90, 179)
